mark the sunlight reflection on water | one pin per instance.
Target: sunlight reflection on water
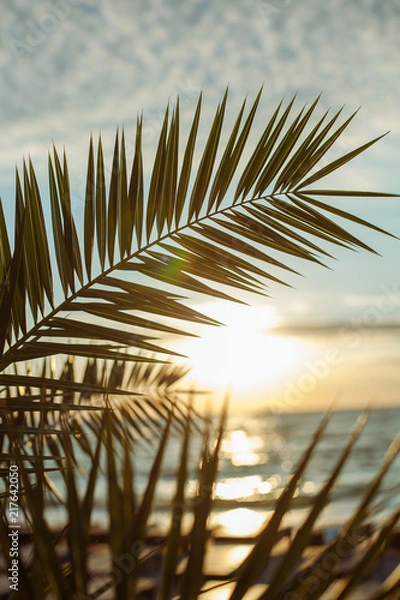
(248, 484)
(240, 521)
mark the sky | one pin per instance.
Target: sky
(72, 67)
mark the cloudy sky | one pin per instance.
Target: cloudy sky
(72, 67)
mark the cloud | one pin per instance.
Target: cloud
(71, 67)
(98, 56)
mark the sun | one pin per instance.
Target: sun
(244, 356)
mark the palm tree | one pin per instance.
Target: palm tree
(115, 285)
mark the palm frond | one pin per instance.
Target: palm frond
(47, 569)
(141, 394)
(197, 229)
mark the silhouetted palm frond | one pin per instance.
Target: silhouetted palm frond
(206, 228)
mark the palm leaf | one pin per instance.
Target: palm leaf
(257, 560)
(175, 533)
(193, 577)
(304, 582)
(370, 557)
(197, 229)
(301, 538)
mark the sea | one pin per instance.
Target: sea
(260, 451)
(258, 454)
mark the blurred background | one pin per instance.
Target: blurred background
(74, 67)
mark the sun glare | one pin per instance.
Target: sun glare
(241, 521)
(244, 356)
(243, 450)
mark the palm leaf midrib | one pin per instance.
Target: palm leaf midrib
(34, 332)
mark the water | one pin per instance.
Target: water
(258, 454)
